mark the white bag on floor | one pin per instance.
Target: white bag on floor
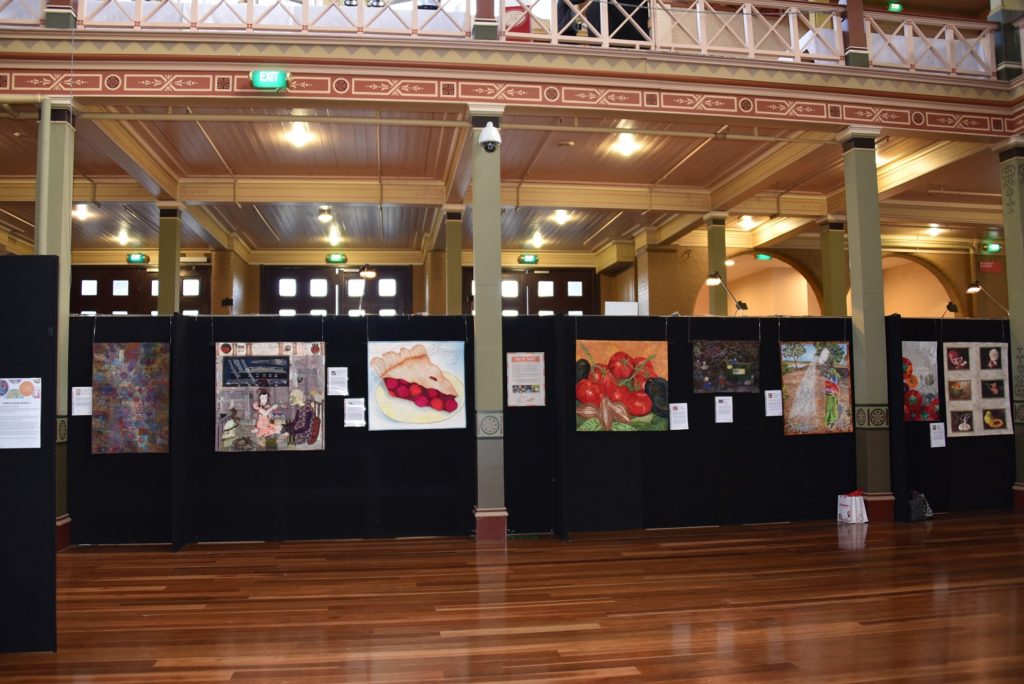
(851, 509)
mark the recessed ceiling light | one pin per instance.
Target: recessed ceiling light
(747, 222)
(537, 240)
(934, 230)
(729, 262)
(81, 211)
(934, 225)
(561, 217)
(122, 237)
(567, 143)
(299, 134)
(334, 236)
(324, 215)
(626, 145)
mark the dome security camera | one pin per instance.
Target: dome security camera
(490, 138)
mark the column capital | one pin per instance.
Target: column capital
(832, 222)
(454, 212)
(713, 217)
(1013, 145)
(483, 112)
(859, 133)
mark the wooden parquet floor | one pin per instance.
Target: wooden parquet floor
(941, 601)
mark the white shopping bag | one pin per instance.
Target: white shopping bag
(851, 509)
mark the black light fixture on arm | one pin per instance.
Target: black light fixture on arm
(975, 288)
(950, 308)
(715, 279)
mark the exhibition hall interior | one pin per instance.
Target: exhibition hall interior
(512, 340)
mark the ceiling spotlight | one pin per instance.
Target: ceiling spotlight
(367, 272)
(325, 215)
(934, 230)
(299, 134)
(122, 237)
(626, 145)
(81, 211)
(537, 240)
(334, 235)
(934, 225)
(729, 262)
(747, 222)
(561, 217)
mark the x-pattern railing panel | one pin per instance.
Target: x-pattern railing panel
(917, 44)
(22, 12)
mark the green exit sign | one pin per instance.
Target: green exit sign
(529, 259)
(337, 258)
(269, 79)
(138, 258)
(895, 7)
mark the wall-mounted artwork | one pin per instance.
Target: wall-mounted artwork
(131, 398)
(816, 397)
(726, 366)
(921, 382)
(416, 385)
(977, 401)
(621, 386)
(270, 396)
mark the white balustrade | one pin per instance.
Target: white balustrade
(21, 13)
(930, 45)
(777, 30)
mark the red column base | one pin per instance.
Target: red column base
(63, 532)
(491, 524)
(1018, 497)
(881, 506)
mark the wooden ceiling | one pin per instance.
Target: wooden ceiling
(387, 185)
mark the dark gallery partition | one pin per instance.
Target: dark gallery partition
(403, 483)
(972, 473)
(120, 498)
(28, 606)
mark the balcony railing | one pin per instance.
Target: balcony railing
(931, 45)
(774, 30)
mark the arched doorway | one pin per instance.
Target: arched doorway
(770, 287)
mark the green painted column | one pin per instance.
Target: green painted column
(870, 387)
(453, 262)
(1011, 161)
(168, 299)
(54, 177)
(857, 53)
(490, 513)
(718, 300)
(835, 268)
(1007, 37)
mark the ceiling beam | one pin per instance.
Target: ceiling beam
(946, 213)
(757, 174)
(807, 204)
(118, 141)
(771, 233)
(83, 190)
(600, 196)
(310, 190)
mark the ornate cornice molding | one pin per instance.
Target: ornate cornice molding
(533, 90)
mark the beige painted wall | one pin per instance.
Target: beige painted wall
(913, 292)
(772, 292)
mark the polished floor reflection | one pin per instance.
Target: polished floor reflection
(810, 602)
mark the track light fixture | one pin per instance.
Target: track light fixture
(975, 288)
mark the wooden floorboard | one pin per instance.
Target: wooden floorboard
(940, 601)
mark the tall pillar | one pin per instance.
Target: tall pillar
(485, 26)
(1007, 37)
(718, 302)
(857, 53)
(54, 177)
(491, 515)
(870, 386)
(61, 14)
(453, 262)
(835, 268)
(1011, 162)
(434, 276)
(222, 282)
(168, 299)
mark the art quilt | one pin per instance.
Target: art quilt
(621, 386)
(721, 366)
(977, 389)
(131, 397)
(270, 396)
(816, 396)
(416, 385)
(921, 382)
